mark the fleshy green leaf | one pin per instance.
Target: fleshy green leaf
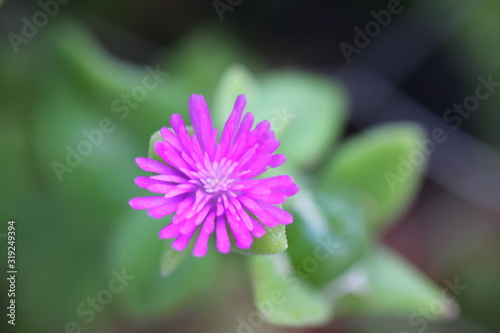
(235, 81)
(137, 248)
(375, 170)
(328, 232)
(171, 259)
(388, 285)
(307, 112)
(151, 151)
(283, 298)
(273, 242)
(202, 57)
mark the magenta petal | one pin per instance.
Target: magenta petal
(202, 123)
(282, 215)
(151, 165)
(180, 129)
(258, 230)
(232, 124)
(170, 231)
(170, 155)
(271, 198)
(147, 202)
(183, 209)
(164, 210)
(222, 239)
(171, 137)
(240, 232)
(160, 187)
(288, 190)
(276, 181)
(263, 216)
(179, 189)
(144, 182)
(169, 178)
(182, 241)
(277, 160)
(245, 126)
(200, 249)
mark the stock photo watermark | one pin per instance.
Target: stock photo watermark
(454, 117)
(281, 119)
(11, 271)
(87, 310)
(222, 6)
(293, 278)
(31, 26)
(94, 137)
(421, 318)
(363, 37)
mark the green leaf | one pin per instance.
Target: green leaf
(151, 151)
(273, 242)
(376, 170)
(235, 81)
(388, 285)
(137, 249)
(202, 57)
(329, 232)
(306, 111)
(283, 298)
(171, 259)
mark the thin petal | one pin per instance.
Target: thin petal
(144, 182)
(170, 231)
(171, 137)
(202, 123)
(170, 178)
(263, 216)
(200, 249)
(245, 126)
(277, 160)
(180, 129)
(288, 191)
(240, 232)
(222, 239)
(148, 164)
(170, 155)
(258, 230)
(282, 215)
(232, 124)
(164, 210)
(271, 198)
(182, 241)
(147, 202)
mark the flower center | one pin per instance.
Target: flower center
(216, 177)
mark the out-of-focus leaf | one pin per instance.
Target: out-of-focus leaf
(328, 235)
(375, 170)
(138, 97)
(151, 151)
(137, 249)
(307, 113)
(283, 298)
(203, 56)
(388, 285)
(273, 242)
(171, 259)
(235, 81)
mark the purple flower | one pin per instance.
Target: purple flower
(210, 184)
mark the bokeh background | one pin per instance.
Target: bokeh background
(65, 76)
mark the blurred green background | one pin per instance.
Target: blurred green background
(64, 73)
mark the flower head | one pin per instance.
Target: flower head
(210, 183)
